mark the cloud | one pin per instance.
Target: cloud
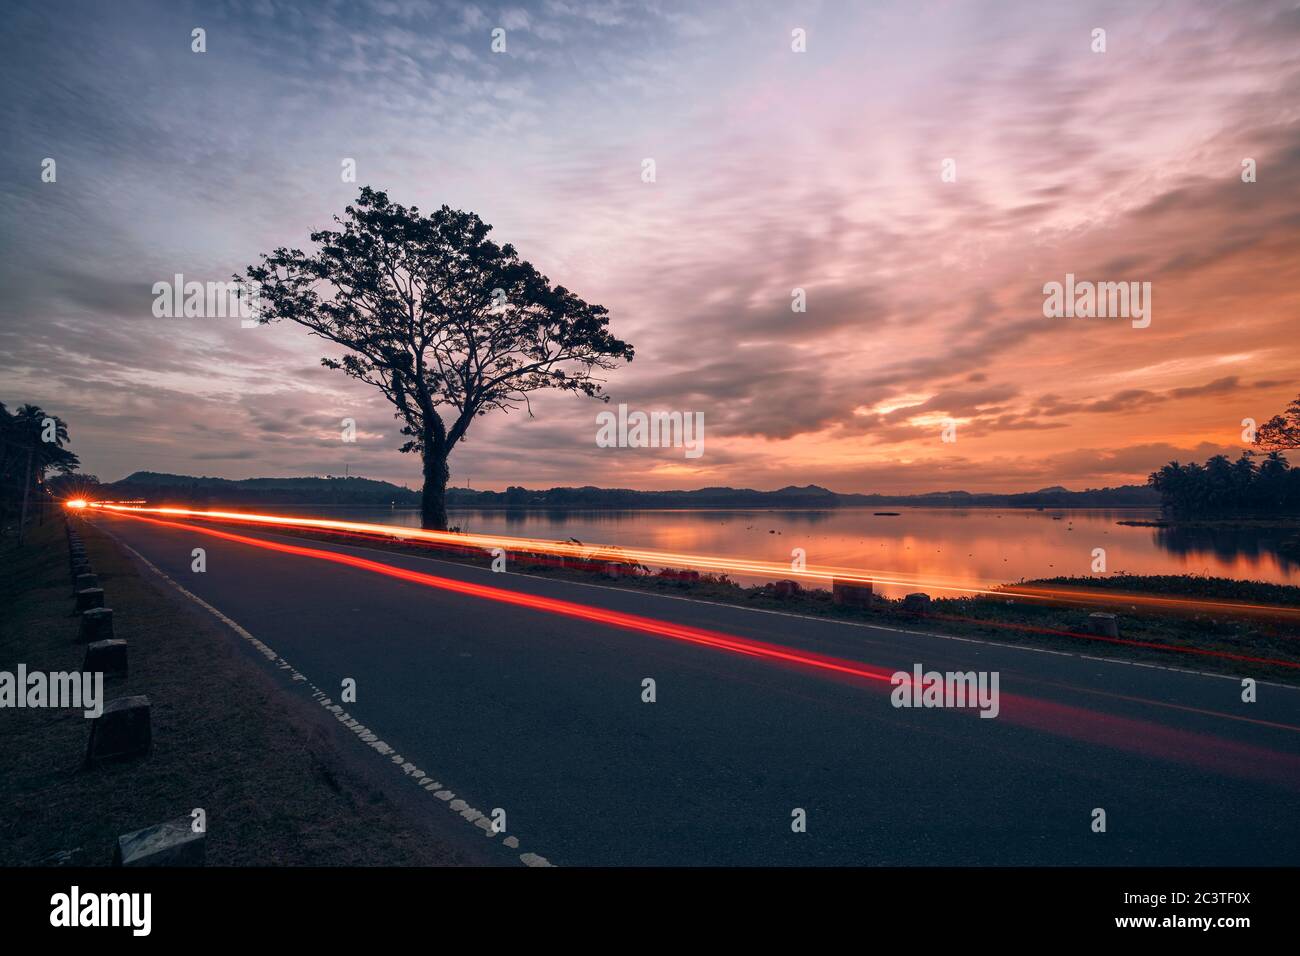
(776, 171)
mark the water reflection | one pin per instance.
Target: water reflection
(982, 544)
(1236, 546)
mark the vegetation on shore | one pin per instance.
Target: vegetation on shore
(1222, 487)
(1267, 487)
(1238, 522)
(1184, 585)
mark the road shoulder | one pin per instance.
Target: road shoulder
(275, 775)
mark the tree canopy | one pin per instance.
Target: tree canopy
(1281, 431)
(31, 447)
(446, 323)
(1223, 486)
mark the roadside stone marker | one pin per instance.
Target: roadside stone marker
(1103, 624)
(786, 588)
(918, 602)
(84, 581)
(122, 731)
(108, 657)
(173, 843)
(89, 598)
(96, 625)
(856, 594)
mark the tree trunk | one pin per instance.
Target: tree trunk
(433, 502)
(27, 486)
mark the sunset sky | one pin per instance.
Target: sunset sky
(775, 170)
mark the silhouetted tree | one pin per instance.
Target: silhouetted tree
(74, 485)
(1269, 485)
(1221, 486)
(1281, 431)
(31, 446)
(440, 319)
(1272, 480)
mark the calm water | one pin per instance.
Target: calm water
(979, 544)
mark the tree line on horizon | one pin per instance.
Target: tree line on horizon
(32, 446)
(162, 488)
(1253, 484)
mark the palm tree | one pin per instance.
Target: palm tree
(31, 446)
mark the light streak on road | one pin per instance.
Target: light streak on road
(620, 619)
(721, 564)
(1124, 733)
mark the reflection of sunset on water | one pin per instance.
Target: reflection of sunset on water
(958, 545)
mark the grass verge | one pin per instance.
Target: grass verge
(226, 737)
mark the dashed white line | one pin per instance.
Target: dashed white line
(413, 773)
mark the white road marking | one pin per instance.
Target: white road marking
(417, 776)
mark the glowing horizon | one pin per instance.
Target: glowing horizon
(821, 171)
(716, 564)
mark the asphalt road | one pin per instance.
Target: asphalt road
(542, 715)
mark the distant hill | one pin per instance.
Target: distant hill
(808, 496)
(184, 489)
(176, 489)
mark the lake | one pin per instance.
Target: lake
(978, 545)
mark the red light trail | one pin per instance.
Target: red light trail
(719, 564)
(632, 622)
(1110, 730)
